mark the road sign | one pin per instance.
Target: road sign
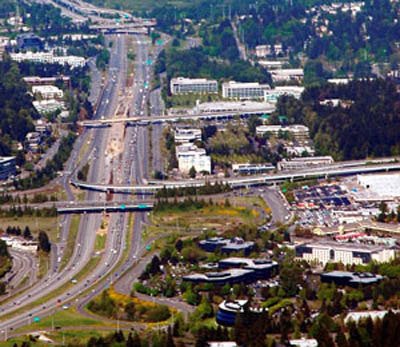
(146, 84)
(149, 62)
(36, 319)
(159, 42)
(148, 248)
(123, 206)
(284, 190)
(142, 206)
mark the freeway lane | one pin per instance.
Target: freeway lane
(89, 224)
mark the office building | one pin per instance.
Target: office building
(235, 244)
(221, 278)
(228, 310)
(186, 135)
(7, 167)
(249, 169)
(345, 253)
(47, 92)
(304, 163)
(272, 95)
(189, 156)
(352, 279)
(287, 75)
(49, 58)
(263, 268)
(240, 90)
(298, 131)
(181, 85)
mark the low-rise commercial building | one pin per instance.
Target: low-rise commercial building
(287, 75)
(241, 90)
(303, 343)
(298, 131)
(47, 92)
(248, 169)
(352, 279)
(235, 244)
(347, 254)
(181, 85)
(47, 106)
(272, 95)
(7, 167)
(304, 163)
(43, 81)
(186, 135)
(362, 315)
(189, 156)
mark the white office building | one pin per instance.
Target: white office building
(345, 253)
(181, 85)
(304, 163)
(189, 156)
(47, 92)
(186, 135)
(272, 95)
(49, 58)
(298, 131)
(239, 90)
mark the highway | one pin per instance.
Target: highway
(106, 166)
(83, 252)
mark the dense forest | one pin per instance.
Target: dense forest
(16, 110)
(364, 124)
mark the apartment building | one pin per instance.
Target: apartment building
(186, 135)
(7, 167)
(287, 75)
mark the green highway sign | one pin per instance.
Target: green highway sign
(159, 42)
(36, 319)
(123, 207)
(148, 248)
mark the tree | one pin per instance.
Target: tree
(130, 311)
(3, 249)
(44, 243)
(27, 233)
(192, 172)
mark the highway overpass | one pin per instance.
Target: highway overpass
(123, 207)
(248, 181)
(170, 118)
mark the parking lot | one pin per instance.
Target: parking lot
(315, 204)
